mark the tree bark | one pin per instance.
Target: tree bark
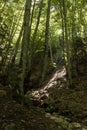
(68, 64)
(17, 46)
(25, 42)
(46, 41)
(34, 37)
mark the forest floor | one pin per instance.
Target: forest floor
(51, 107)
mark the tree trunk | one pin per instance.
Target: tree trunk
(46, 41)
(34, 37)
(25, 42)
(68, 64)
(17, 46)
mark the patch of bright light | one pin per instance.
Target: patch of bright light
(58, 31)
(52, 8)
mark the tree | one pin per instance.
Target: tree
(68, 64)
(34, 37)
(17, 46)
(46, 41)
(25, 42)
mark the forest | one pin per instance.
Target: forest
(43, 65)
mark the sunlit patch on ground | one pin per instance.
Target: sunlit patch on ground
(55, 81)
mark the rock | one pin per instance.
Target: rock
(85, 121)
(76, 125)
(44, 96)
(84, 128)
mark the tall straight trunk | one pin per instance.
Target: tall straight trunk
(46, 41)
(25, 42)
(30, 25)
(38, 21)
(73, 20)
(34, 36)
(33, 8)
(68, 64)
(17, 46)
(51, 55)
(62, 26)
